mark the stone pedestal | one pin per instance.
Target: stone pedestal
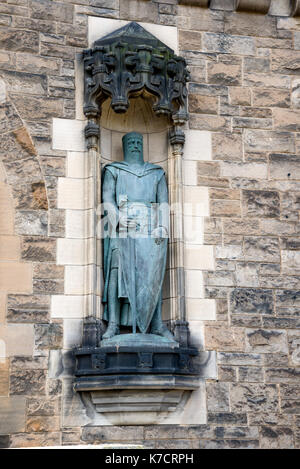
(139, 373)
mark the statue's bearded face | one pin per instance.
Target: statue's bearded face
(134, 146)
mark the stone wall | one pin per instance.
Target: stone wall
(242, 274)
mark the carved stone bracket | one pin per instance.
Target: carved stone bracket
(130, 62)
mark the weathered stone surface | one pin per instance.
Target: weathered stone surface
(105, 433)
(269, 341)
(290, 262)
(224, 74)
(229, 444)
(28, 308)
(225, 208)
(48, 271)
(227, 44)
(42, 424)
(259, 140)
(217, 397)
(27, 382)
(286, 119)
(19, 40)
(240, 96)
(38, 249)
(223, 338)
(284, 166)
(48, 336)
(250, 374)
(31, 222)
(253, 397)
(251, 301)
(48, 286)
(138, 11)
(261, 204)
(43, 407)
(276, 437)
(26, 363)
(203, 104)
(208, 122)
(189, 40)
(222, 418)
(272, 98)
(262, 249)
(250, 25)
(286, 61)
(48, 10)
(282, 375)
(240, 359)
(27, 440)
(41, 108)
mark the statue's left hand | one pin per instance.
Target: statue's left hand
(160, 233)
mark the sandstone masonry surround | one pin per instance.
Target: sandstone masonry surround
(241, 169)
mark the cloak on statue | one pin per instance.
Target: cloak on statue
(141, 256)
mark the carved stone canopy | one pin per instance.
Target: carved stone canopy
(130, 62)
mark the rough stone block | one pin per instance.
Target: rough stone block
(254, 397)
(217, 397)
(209, 122)
(28, 382)
(262, 249)
(247, 170)
(266, 80)
(266, 341)
(38, 249)
(290, 262)
(27, 440)
(282, 375)
(244, 359)
(271, 98)
(227, 44)
(48, 336)
(223, 418)
(239, 96)
(19, 40)
(227, 146)
(222, 338)
(251, 301)
(276, 437)
(27, 308)
(224, 74)
(33, 222)
(39, 107)
(225, 208)
(250, 374)
(189, 40)
(203, 104)
(284, 166)
(261, 204)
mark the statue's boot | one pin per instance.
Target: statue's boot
(112, 330)
(161, 329)
(113, 305)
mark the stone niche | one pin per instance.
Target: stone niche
(120, 384)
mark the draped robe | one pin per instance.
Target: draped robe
(138, 191)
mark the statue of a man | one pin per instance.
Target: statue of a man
(135, 245)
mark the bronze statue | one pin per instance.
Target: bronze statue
(135, 242)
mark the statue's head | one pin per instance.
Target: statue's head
(133, 146)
